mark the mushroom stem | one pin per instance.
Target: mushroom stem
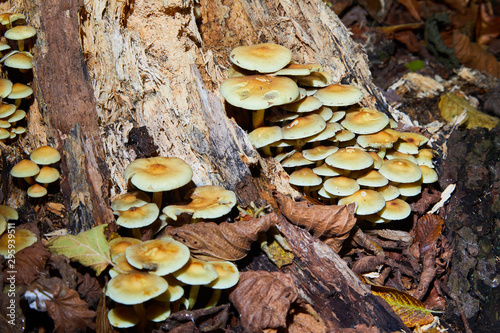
(267, 150)
(258, 118)
(136, 232)
(29, 180)
(214, 299)
(193, 295)
(307, 191)
(20, 45)
(17, 102)
(141, 312)
(157, 199)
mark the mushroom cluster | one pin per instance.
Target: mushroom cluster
(38, 171)
(152, 279)
(22, 238)
(334, 149)
(16, 34)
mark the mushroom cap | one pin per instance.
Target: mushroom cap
(319, 153)
(428, 175)
(395, 209)
(123, 316)
(25, 168)
(405, 147)
(128, 200)
(425, 156)
(45, 155)
(159, 256)
(8, 213)
(118, 245)
(382, 139)
(4, 46)
(135, 288)
(19, 60)
(257, 92)
(365, 121)
(294, 69)
(20, 32)
(328, 171)
(410, 189)
(36, 191)
(372, 178)
(263, 136)
(414, 138)
(47, 175)
(122, 266)
(4, 134)
(328, 133)
(174, 291)
(341, 186)
(277, 115)
(16, 116)
(7, 110)
(138, 217)
(389, 192)
(303, 127)
(337, 115)
(227, 275)
(315, 79)
(158, 311)
(264, 58)
(3, 224)
(19, 130)
(392, 154)
(324, 194)
(324, 112)
(157, 174)
(306, 104)
(400, 170)
(22, 239)
(5, 87)
(295, 160)
(5, 124)
(343, 136)
(339, 95)
(196, 272)
(377, 160)
(207, 202)
(350, 159)
(304, 177)
(369, 201)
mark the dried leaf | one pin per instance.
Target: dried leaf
(89, 288)
(413, 8)
(323, 221)
(263, 299)
(224, 241)
(90, 248)
(472, 55)
(488, 26)
(427, 231)
(451, 106)
(68, 311)
(395, 235)
(368, 264)
(30, 263)
(199, 320)
(411, 311)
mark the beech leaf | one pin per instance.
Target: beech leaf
(224, 241)
(451, 106)
(472, 55)
(428, 229)
(411, 311)
(30, 263)
(89, 248)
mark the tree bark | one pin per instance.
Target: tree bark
(105, 70)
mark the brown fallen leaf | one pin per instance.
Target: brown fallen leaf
(224, 241)
(199, 320)
(368, 264)
(323, 221)
(89, 288)
(263, 299)
(427, 231)
(411, 311)
(68, 311)
(30, 263)
(413, 8)
(472, 55)
(487, 25)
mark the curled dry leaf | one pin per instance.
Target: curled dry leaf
(224, 241)
(322, 221)
(199, 320)
(263, 299)
(427, 231)
(368, 264)
(30, 263)
(472, 55)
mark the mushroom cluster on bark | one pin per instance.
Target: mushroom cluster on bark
(162, 274)
(334, 149)
(17, 34)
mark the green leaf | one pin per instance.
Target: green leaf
(415, 65)
(89, 248)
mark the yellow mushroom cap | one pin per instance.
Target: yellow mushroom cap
(369, 201)
(329, 132)
(25, 168)
(377, 160)
(4, 134)
(20, 32)
(47, 175)
(119, 245)
(392, 154)
(3, 224)
(400, 170)
(304, 177)
(327, 171)
(45, 155)
(227, 275)
(36, 191)
(343, 136)
(315, 79)
(22, 239)
(174, 291)
(7, 110)
(341, 186)
(258, 92)
(5, 87)
(157, 174)
(306, 104)
(424, 157)
(128, 200)
(389, 192)
(207, 202)
(263, 136)
(428, 175)
(8, 213)
(160, 256)
(382, 139)
(303, 127)
(365, 121)
(324, 112)
(123, 316)
(158, 311)
(339, 95)
(18, 60)
(350, 159)
(405, 147)
(294, 69)
(138, 217)
(410, 189)
(295, 160)
(16, 116)
(319, 153)
(414, 138)
(396, 209)
(135, 288)
(372, 178)
(20, 90)
(264, 58)
(196, 272)
(122, 266)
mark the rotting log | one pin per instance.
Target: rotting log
(154, 68)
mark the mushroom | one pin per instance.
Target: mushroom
(297, 159)
(306, 104)
(395, 209)
(5, 88)
(128, 200)
(400, 170)
(121, 266)
(317, 79)
(47, 175)
(319, 153)
(195, 272)
(227, 277)
(207, 202)
(36, 191)
(20, 60)
(372, 178)
(8, 213)
(123, 316)
(340, 186)
(303, 127)
(19, 91)
(158, 174)
(262, 137)
(20, 33)
(138, 217)
(259, 92)
(339, 95)
(389, 192)
(158, 311)
(383, 139)
(174, 291)
(410, 189)
(158, 256)
(45, 155)
(263, 58)
(305, 178)
(424, 157)
(22, 239)
(25, 169)
(350, 159)
(368, 201)
(118, 245)
(365, 121)
(428, 175)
